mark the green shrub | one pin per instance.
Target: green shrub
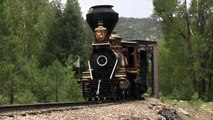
(195, 102)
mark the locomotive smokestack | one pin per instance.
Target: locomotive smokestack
(104, 14)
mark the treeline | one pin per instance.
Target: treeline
(39, 43)
(139, 28)
(186, 48)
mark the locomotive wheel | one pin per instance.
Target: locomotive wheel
(89, 99)
(125, 94)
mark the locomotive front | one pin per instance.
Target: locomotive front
(102, 20)
(106, 77)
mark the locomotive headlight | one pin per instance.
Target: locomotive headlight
(100, 33)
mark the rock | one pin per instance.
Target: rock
(150, 107)
(169, 114)
(183, 112)
(160, 117)
(210, 103)
(130, 117)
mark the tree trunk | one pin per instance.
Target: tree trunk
(202, 88)
(11, 96)
(56, 89)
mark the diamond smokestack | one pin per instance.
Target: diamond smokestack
(102, 14)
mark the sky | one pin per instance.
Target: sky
(125, 8)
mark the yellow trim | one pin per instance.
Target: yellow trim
(132, 71)
(120, 75)
(86, 77)
(95, 44)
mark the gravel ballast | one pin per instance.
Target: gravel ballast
(148, 109)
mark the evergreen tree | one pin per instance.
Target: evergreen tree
(27, 28)
(11, 59)
(58, 83)
(52, 51)
(69, 35)
(25, 33)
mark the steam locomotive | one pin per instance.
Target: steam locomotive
(117, 68)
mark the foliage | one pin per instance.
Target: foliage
(59, 83)
(68, 35)
(72, 91)
(185, 48)
(29, 73)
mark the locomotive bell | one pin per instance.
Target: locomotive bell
(102, 14)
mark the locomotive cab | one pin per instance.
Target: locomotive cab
(131, 53)
(136, 69)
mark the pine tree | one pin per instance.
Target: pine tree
(25, 34)
(68, 35)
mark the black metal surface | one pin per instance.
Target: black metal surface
(108, 88)
(143, 70)
(102, 72)
(103, 13)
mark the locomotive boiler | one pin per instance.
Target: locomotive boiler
(116, 68)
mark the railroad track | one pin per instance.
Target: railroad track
(33, 109)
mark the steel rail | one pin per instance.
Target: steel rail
(24, 109)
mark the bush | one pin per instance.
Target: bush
(195, 102)
(183, 93)
(25, 97)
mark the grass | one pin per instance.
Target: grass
(197, 109)
(196, 104)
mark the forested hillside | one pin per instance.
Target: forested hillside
(39, 42)
(139, 28)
